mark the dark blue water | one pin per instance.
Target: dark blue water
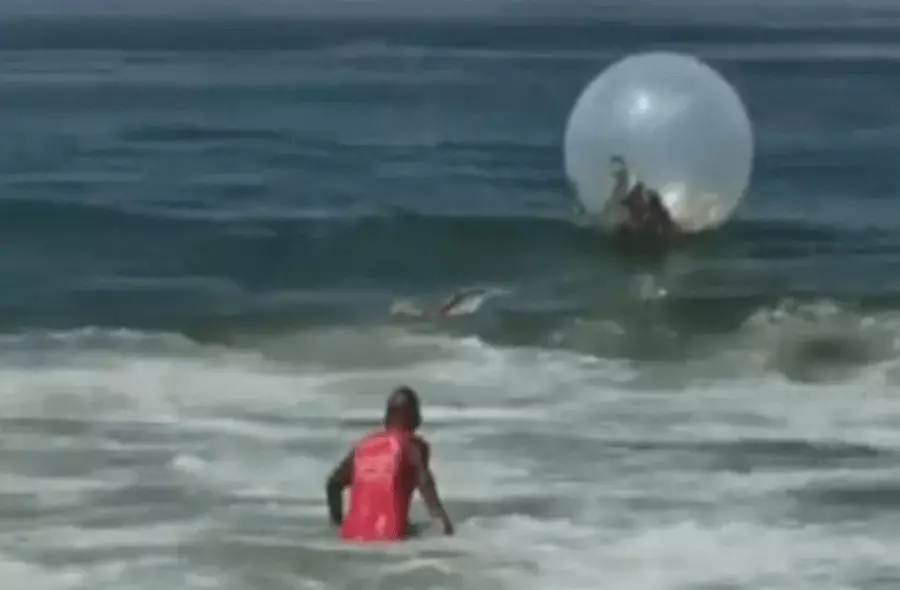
(167, 174)
(184, 202)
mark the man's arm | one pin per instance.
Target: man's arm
(339, 479)
(428, 488)
(450, 302)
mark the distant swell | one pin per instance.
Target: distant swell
(392, 225)
(222, 279)
(264, 34)
(395, 246)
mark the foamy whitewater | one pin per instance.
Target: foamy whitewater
(134, 461)
(205, 224)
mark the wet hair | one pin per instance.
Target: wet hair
(403, 404)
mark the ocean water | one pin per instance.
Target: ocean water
(204, 224)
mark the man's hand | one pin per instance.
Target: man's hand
(441, 526)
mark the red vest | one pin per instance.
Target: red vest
(381, 488)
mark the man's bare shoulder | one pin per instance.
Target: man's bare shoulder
(419, 442)
(420, 449)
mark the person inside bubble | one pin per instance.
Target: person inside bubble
(627, 191)
(658, 217)
(644, 211)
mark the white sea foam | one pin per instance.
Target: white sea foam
(205, 468)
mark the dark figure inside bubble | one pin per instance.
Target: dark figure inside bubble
(646, 220)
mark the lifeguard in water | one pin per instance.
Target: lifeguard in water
(382, 471)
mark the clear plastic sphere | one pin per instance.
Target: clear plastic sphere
(678, 125)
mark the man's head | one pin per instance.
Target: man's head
(403, 409)
(617, 168)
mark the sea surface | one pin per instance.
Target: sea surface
(204, 224)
